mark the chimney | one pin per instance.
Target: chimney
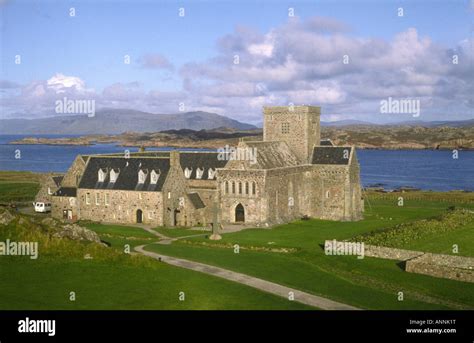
(174, 159)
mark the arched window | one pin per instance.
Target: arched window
(246, 188)
(240, 187)
(233, 187)
(254, 188)
(226, 190)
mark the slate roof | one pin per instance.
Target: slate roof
(128, 169)
(201, 160)
(326, 142)
(66, 192)
(58, 179)
(196, 200)
(276, 154)
(331, 155)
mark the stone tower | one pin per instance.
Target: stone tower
(298, 126)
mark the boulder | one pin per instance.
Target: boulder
(6, 217)
(77, 233)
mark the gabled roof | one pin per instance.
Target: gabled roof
(66, 192)
(202, 160)
(196, 200)
(270, 155)
(128, 176)
(331, 155)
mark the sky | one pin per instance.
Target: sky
(234, 57)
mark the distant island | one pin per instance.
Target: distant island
(364, 136)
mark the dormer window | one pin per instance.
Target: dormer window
(101, 176)
(154, 176)
(199, 173)
(113, 175)
(211, 173)
(141, 176)
(187, 172)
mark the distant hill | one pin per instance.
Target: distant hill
(116, 121)
(413, 123)
(449, 123)
(347, 122)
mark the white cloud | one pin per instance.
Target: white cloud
(299, 62)
(61, 83)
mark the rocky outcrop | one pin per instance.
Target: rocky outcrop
(50, 226)
(70, 231)
(6, 217)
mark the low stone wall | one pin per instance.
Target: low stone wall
(391, 253)
(444, 266)
(381, 252)
(460, 268)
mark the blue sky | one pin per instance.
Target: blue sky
(177, 59)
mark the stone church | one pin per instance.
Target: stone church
(288, 175)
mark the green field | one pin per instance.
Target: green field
(47, 283)
(18, 186)
(369, 283)
(180, 232)
(112, 279)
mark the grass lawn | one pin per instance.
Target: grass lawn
(45, 284)
(443, 243)
(180, 232)
(121, 237)
(368, 283)
(311, 233)
(112, 279)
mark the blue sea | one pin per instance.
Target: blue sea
(390, 169)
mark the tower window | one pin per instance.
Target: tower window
(285, 127)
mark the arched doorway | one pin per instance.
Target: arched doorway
(239, 213)
(139, 216)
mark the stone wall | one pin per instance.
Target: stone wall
(391, 253)
(298, 126)
(354, 196)
(255, 205)
(74, 173)
(177, 211)
(458, 268)
(289, 193)
(60, 204)
(207, 190)
(48, 187)
(120, 207)
(329, 192)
